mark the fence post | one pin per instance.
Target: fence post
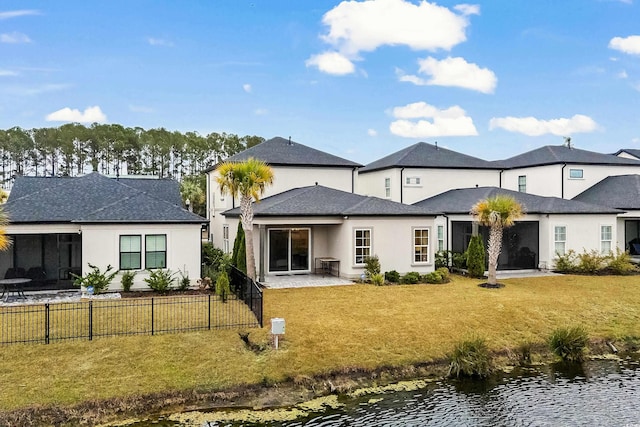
(46, 323)
(209, 317)
(90, 320)
(152, 323)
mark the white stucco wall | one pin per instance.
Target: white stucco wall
(101, 246)
(547, 181)
(432, 182)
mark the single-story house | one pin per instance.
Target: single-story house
(298, 230)
(550, 225)
(60, 225)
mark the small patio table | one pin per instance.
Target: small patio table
(15, 285)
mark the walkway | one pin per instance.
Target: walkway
(303, 281)
(522, 274)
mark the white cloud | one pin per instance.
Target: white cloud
(14, 38)
(89, 115)
(630, 45)
(16, 13)
(452, 121)
(535, 127)
(453, 72)
(331, 63)
(364, 26)
(5, 73)
(246, 87)
(372, 132)
(159, 42)
(622, 74)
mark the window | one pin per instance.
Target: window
(560, 239)
(605, 239)
(155, 251)
(225, 238)
(130, 252)
(522, 183)
(576, 173)
(441, 238)
(412, 180)
(387, 187)
(362, 245)
(421, 245)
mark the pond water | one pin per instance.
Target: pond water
(596, 393)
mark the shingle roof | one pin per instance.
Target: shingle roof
(558, 154)
(633, 151)
(460, 201)
(282, 152)
(423, 155)
(95, 198)
(317, 200)
(621, 192)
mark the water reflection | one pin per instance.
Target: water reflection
(599, 393)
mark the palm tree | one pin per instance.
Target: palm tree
(5, 241)
(192, 193)
(247, 179)
(498, 212)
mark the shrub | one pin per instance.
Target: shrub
(442, 259)
(444, 272)
(222, 286)
(470, 358)
(569, 343)
(377, 279)
(433, 278)
(411, 278)
(127, 280)
(371, 266)
(620, 263)
(590, 262)
(476, 257)
(160, 280)
(239, 256)
(184, 282)
(459, 259)
(214, 257)
(96, 279)
(566, 263)
(392, 276)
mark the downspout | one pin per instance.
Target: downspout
(401, 171)
(562, 181)
(500, 178)
(353, 180)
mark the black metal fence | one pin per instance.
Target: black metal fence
(247, 290)
(44, 323)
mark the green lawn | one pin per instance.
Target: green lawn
(327, 329)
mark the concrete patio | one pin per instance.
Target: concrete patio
(303, 281)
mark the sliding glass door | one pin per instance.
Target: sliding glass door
(289, 250)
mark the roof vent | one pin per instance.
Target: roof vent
(436, 145)
(290, 143)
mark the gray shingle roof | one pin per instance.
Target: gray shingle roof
(317, 200)
(423, 155)
(281, 152)
(558, 154)
(633, 151)
(95, 198)
(460, 202)
(621, 192)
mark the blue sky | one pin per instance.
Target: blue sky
(359, 79)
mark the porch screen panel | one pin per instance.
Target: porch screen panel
(155, 251)
(130, 252)
(278, 250)
(299, 249)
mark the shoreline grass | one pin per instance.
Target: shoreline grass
(328, 329)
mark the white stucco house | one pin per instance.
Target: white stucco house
(59, 225)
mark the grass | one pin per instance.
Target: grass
(327, 329)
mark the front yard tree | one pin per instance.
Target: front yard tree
(497, 213)
(247, 179)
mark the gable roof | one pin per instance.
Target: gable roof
(423, 155)
(96, 198)
(559, 154)
(621, 192)
(632, 151)
(317, 200)
(283, 152)
(460, 201)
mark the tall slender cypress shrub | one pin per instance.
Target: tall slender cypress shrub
(476, 257)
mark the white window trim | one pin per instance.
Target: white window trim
(439, 228)
(225, 238)
(355, 230)
(525, 184)
(566, 232)
(610, 239)
(576, 169)
(417, 184)
(387, 188)
(413, 246)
